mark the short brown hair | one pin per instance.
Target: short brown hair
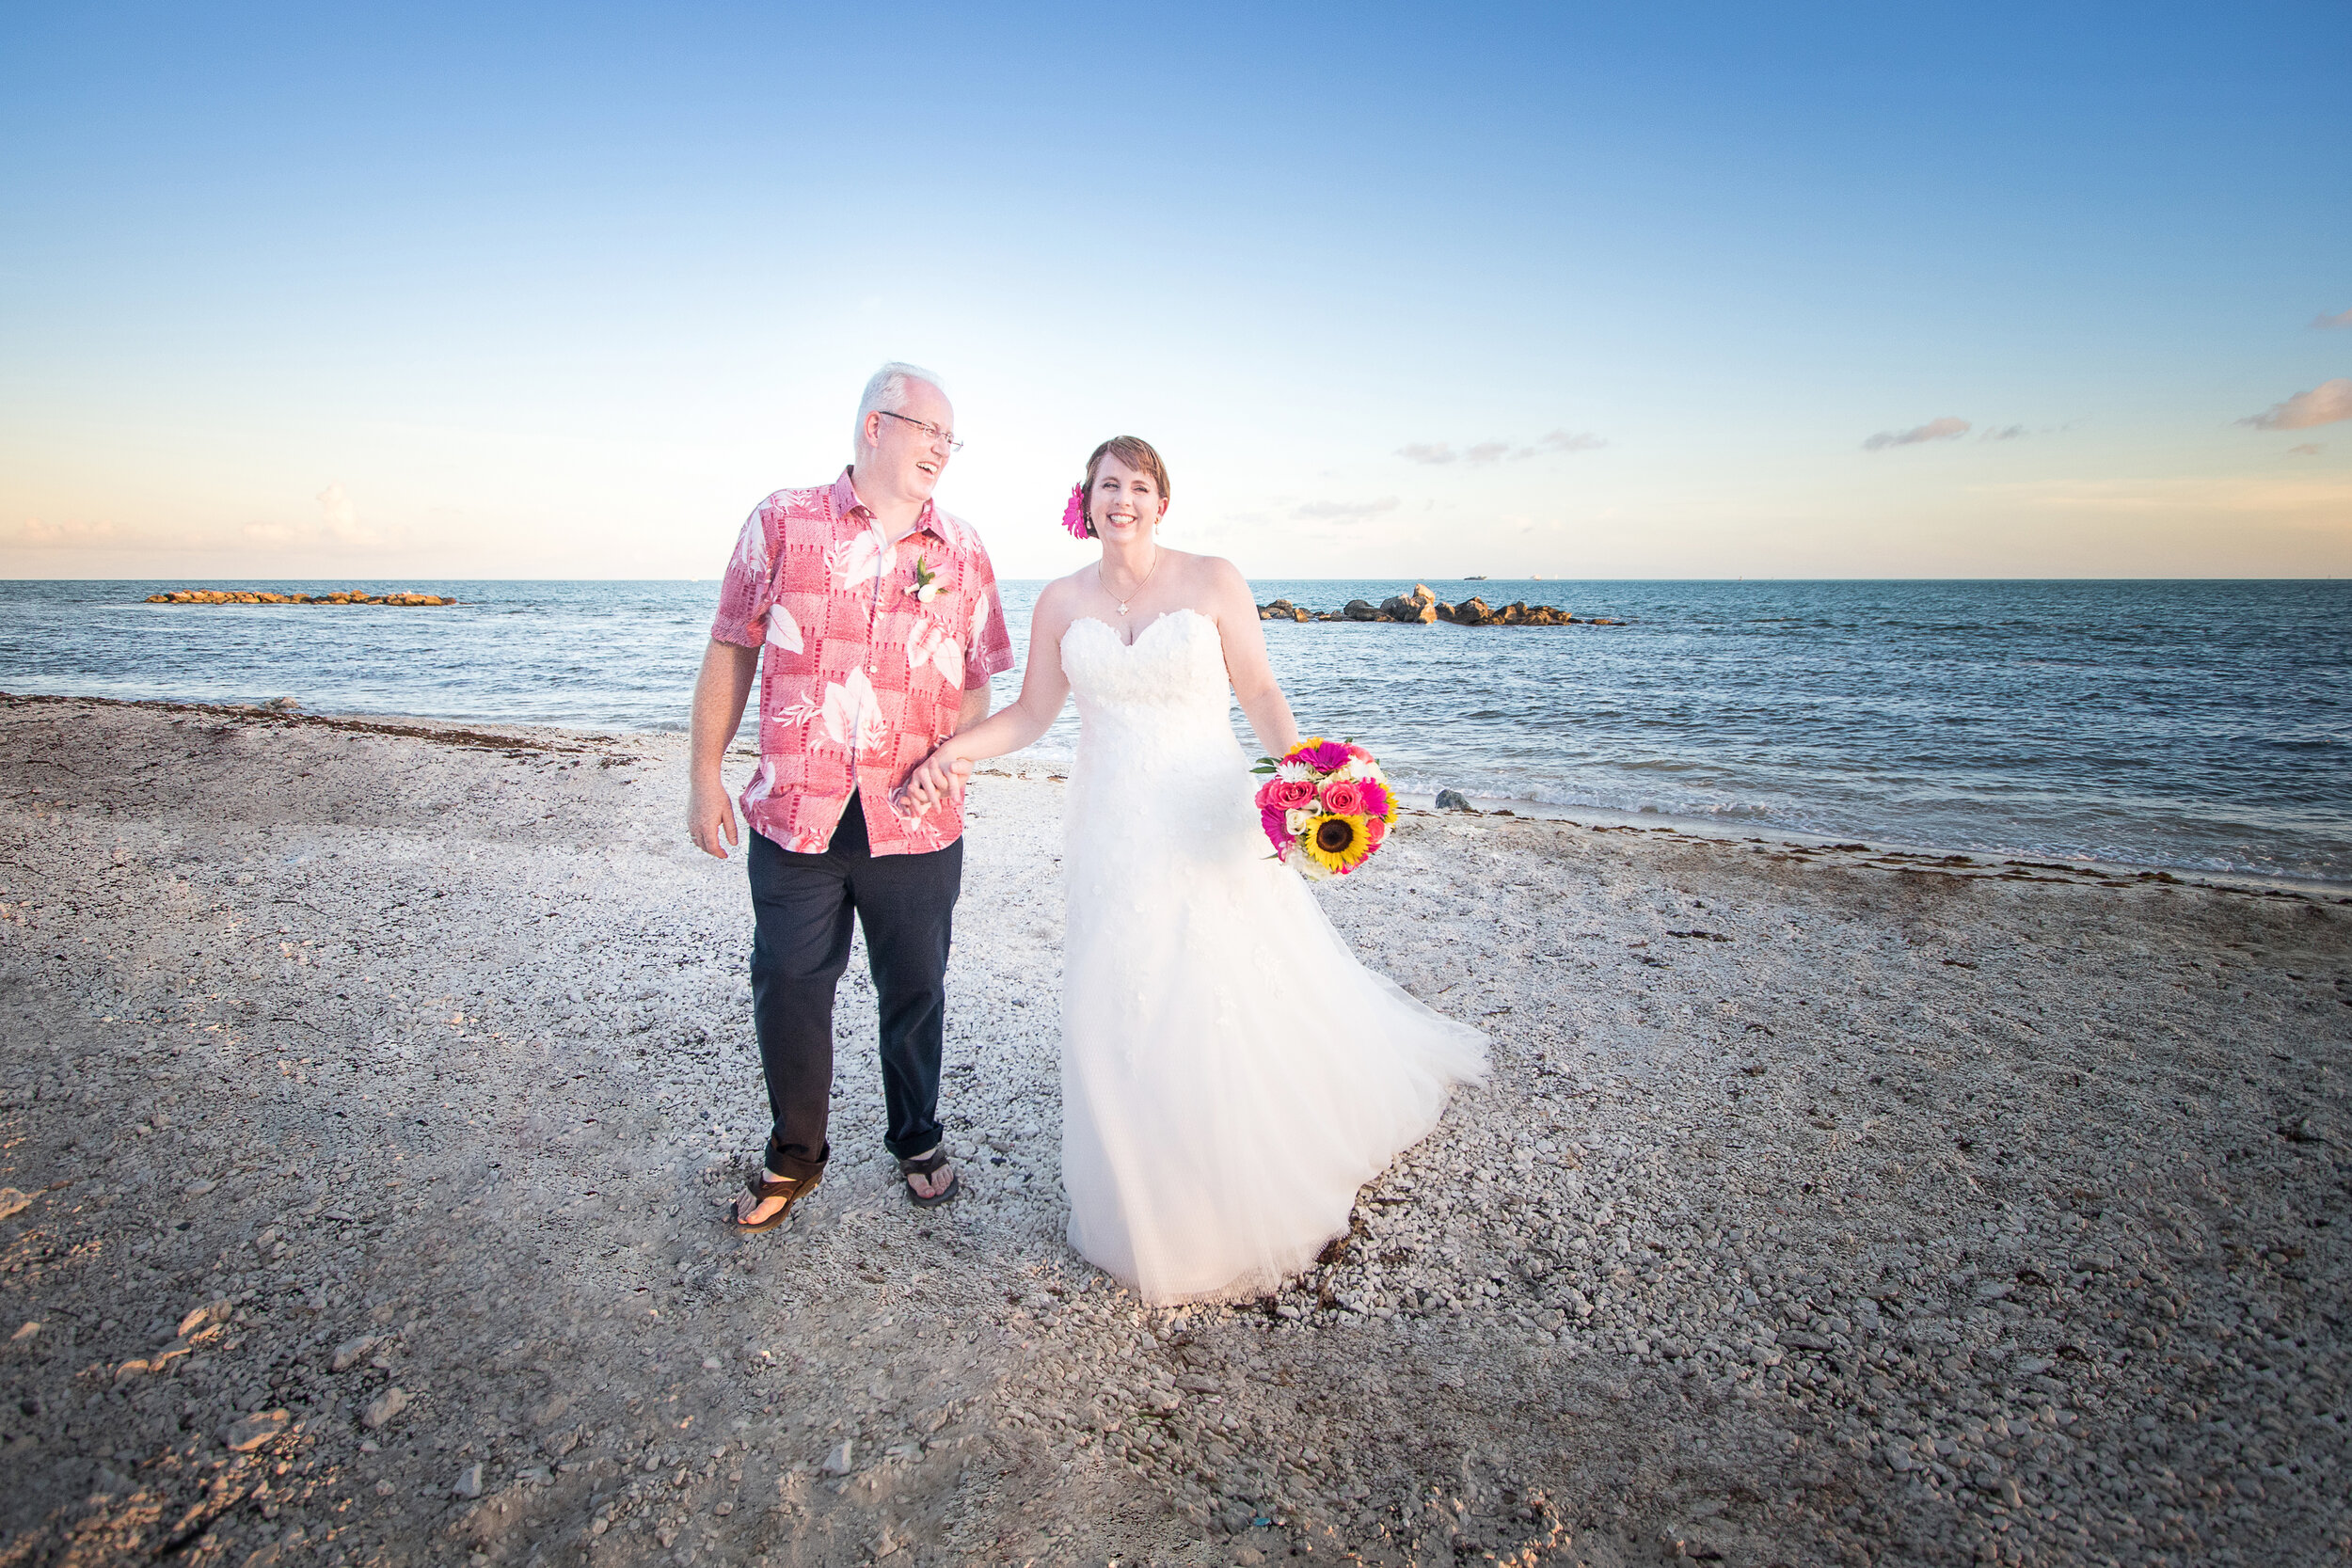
(1134, 452)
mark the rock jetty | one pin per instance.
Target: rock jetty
(1420, 607)
(348, 596)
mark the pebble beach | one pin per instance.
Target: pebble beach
(371, 1090)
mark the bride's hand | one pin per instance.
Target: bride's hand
(935, 779)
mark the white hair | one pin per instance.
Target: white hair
(886, 394)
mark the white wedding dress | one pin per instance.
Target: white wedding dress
(1231, 1074)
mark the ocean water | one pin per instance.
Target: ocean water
(2196, 725)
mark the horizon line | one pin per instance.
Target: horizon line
(1271, 577)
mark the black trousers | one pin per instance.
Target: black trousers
(804, 904)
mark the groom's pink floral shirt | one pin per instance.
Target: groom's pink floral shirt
(862, 675)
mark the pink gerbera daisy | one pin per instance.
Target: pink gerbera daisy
(1324, 756)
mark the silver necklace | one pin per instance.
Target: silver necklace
(1132, 592)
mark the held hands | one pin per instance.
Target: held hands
(710, 815)
(935, 779)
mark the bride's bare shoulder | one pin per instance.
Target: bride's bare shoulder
(1216, 579)
(1199, 570)
(1058, 603)
(1056, 597)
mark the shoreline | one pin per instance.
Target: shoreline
(1815, 1210)
(1925, 857)
(1713, 830)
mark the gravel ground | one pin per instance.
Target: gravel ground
(369, 1093)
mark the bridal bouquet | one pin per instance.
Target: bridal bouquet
(1327, 807)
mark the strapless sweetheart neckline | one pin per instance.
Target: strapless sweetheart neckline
(1147, 630)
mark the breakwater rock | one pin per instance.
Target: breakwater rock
(352, 595)
(1417, 606)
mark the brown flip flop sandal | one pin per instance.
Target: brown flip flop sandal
(790, 1188)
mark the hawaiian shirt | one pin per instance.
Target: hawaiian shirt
(870, 647)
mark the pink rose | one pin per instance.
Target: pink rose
(1374, 830)
(1287, 795)
(1343, 798)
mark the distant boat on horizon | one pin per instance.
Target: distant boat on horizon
(1475, 576)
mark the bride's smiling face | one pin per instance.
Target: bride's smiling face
(1124, 504)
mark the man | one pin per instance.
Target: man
(880, 617)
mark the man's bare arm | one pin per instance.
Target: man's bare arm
(720, 691)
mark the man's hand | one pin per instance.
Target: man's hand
(710, 815)
(934, 781)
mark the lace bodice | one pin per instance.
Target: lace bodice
(1173, 673)
(1156, 752)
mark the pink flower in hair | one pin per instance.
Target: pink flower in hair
(1073, 517)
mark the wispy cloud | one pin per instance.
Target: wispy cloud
(337, 525)
(335, 531)
(2006, 433)
(1948, 428)
(2326, 322)
(1438, 453)
(1345, 512)
(2306, 449)
(1562, 441)
(2325, 404)
(33, 533)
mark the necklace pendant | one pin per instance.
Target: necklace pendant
(1122, 609)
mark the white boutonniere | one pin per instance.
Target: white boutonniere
(925, 584)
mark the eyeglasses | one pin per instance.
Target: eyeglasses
(927, 428)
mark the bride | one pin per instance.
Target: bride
(1231, 1075)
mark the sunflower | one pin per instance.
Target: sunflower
(1337, 844)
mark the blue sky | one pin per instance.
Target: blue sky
(1578, 292)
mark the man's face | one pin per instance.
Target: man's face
(901, 456)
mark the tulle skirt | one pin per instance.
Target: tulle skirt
(1231, 1074)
